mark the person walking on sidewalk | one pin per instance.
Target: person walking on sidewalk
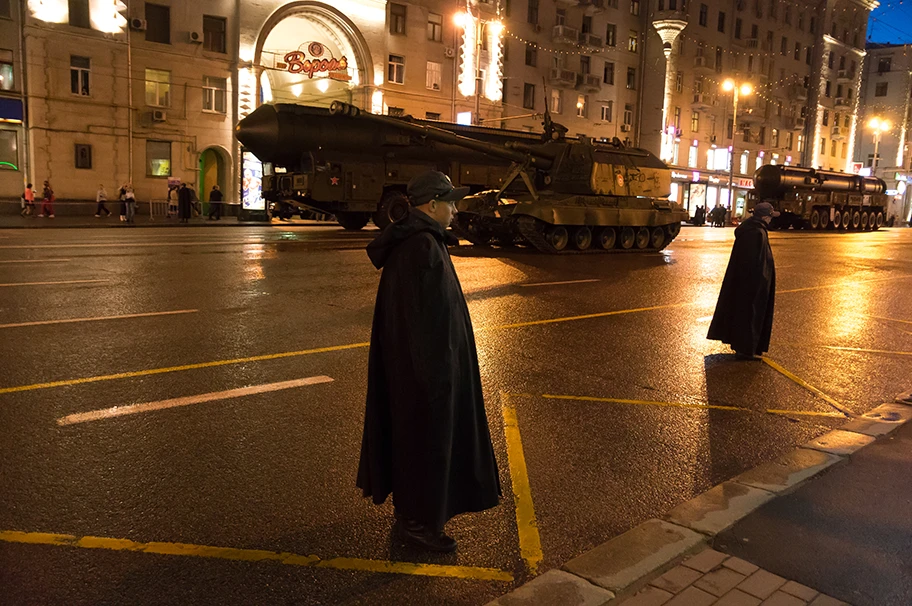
(28, 199)
(744, 312)
(172, 201)
(130, 199)
(184, 203)
(101, 197)
(47, 203)
(426, 439)
(215, 203)
(122, 196)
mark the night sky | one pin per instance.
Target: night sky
(891, 22)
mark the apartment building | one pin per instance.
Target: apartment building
(12, 108)
(802, 62)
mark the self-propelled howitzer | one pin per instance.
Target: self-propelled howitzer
(561, 195)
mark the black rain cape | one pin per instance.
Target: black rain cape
(426, 437)
(744, 312)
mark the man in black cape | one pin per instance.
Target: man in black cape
(426, 437)
(184, 203)
(744, 313)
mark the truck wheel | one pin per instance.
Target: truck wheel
(864, 220)
(352, 221)
(815, 219)
(879, 220)
(846, 219)
(856, 220)
(393, 208)
(837, 220)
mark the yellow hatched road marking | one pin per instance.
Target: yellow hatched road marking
(256, 555)
(529, 540)
(845, 411)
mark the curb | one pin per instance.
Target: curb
(618, 568)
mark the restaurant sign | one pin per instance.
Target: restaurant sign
(313, 62)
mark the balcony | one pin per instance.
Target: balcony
(794, 123)
(842, 102)
(703, 101)
(562, 78)
(845, 75)
(702, 64)
(748, 43)
(798, 92)
(588, 83)
(561, 34)
(590, 43)
(838, 133)
(591, 7)
(751, 114)
(566, 3)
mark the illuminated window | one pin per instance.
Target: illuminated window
(634, 7)
(80, 69)
(83, 156)
(395, 69)
(158, 88)
(679, 82)
(677, 118)
(556, 101)
(6, 75)
(435, 27)
(632, 38)
(582, 103)
(9, 150)
(695, 121)
(214, 33)
(692, 154)
(158, 23)
(158, 158)
(822, 146)
(433, 75)
(215, 95)
(397, 19)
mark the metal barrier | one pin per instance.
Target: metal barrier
(158, 208)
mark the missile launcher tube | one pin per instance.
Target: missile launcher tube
(772, 181)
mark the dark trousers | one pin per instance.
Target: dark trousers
(102, 207)
(215, 210)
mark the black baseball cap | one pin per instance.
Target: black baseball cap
(434, 185)
(765, 209)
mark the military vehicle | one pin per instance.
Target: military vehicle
(820, 199)
(329, 163)
(560, 195)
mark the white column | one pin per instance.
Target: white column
(668, 30)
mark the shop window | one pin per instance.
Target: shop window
(158, 23)
(395, 71)
(435, 27)
(433, 75)
(9, 150)
(215, 95)
(397, 19)
(83, 156)
(214, 38)
(79, 13)
(158, 158)
(158, 88)
(80, 71)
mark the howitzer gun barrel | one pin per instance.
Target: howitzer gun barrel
(771, 181)
(438, 134)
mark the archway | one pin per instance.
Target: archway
(213, 170)
(309, 52)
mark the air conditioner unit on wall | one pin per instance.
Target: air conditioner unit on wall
(196, 37)
(138, 24)
(625, 128)
(159, 115)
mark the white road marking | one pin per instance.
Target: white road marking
(99, 318)
(173, 244)
(52, 283)
(36, 261)
(558, 283)
(119, 411)
(704, 319)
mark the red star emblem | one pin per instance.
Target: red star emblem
(334, 180)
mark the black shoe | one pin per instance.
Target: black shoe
(421, 536)
(746, 356)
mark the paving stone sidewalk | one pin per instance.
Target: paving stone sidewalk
(714, 578)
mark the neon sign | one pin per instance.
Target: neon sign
(296, 62)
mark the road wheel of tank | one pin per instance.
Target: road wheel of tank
(628, 236)
(856, 220)
(642, 238)
(607, 238)
(879, 220)
(393, 207)
(582, 238)
(815, 219)
(846, 219)
(657, 237)
(864, 220)
(837, 220)
(673, 230)
(557, 237)
(352, 221)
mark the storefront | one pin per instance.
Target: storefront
(695, 188)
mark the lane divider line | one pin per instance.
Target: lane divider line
(778, 368)
(255, 555)
(99, 318)
(559, 283)
(603, 314)
(36, 261)
(120, 411)
(526, 523)
(52, 283)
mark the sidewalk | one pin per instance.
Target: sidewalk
(825, 525)
(33, 222)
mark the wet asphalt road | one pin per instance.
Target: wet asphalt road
(275, 471)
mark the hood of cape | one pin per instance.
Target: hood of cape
(394, 234)
(751, 224)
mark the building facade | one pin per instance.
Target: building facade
(12, 108)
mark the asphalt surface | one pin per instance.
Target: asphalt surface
(275, 471)
(848, 533)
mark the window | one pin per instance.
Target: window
(884, 64)
(827, 87)
(585, 65)
(80, 69)
(783, 46)
(531, 55)
(158, 88)
(214, 34)
(721, 26)
(5, 8)
(433, 75)
(158, 158)
(704, 14)
(833, 148)
(158, 23)
(398, 112)
(397, 19)
(215, 95)
(831, 59)
(561, 17)
(797, 55)
(632, 41)
(628, 114)
(719, 59)
(880, 89)
(695, 122)
(435, 27)
(631, 78)
(800, 144)
(556, 101)
(676, 120)
(774, 138)
(9, 150)
(679, 82)
(7, 81)
(608, 76)
(532, 13)
(845, 150)
(634, 7)
(822, 146)
(826, 117)
(395, 69)
(432, 116)
(582, 103)
(611, 35)
(788, 14)
(83, 156)
(737, 29)
(79, 13)
(608, 112)
(692, 155)
(528, 96)
(762, 135)
(807, 55)
(789, 140)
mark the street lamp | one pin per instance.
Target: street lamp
(475, 28)
(736, 89)
(879, 126)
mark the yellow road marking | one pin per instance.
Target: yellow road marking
(526, 523)
(255, 555)
(860, 350)
(809, 387)
(838, 284)
(603, 314)
(885, 319)
(57, 283)
(100, 318)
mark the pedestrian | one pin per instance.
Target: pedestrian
(184, 202)
(699, 216)
(100, 198)
(172, 201)
(47, 203)
(28, 201)
(130, 199)
(215, 203)
(744, 312)
(122, 196)
(426, 438)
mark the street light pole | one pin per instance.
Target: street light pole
(736, 89)
(879, 126)
(479, 32)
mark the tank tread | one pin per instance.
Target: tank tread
(463, 234)
(528, 228)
